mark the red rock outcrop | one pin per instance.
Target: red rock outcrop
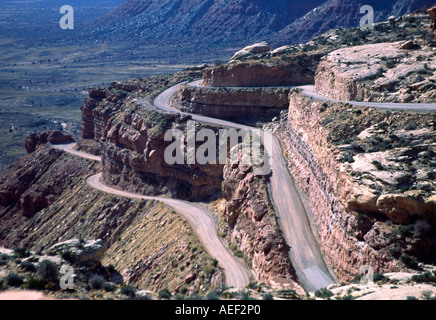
(134, 158)
(38, 139)
(259, 74)
(350, 236)
(251, 224)
(231, 103)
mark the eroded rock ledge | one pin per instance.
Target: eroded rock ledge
(362, 213)
(379, 72)
(231, 103)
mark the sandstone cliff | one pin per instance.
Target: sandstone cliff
(379, 72)
(349, 189)
(249, 224)
(148, 244)
(239, 104)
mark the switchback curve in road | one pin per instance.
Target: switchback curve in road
(236, 275)
(305, 253)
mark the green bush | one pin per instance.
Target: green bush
(108, 287)
(287, 294)
(179, 296)
(47, 271)
(13, 280)
(164, 294)
(194, 296)
(68, 256)
(412, 298)
(183, 290)
(427, 277)
(323, 293)
(21, 252)
(35, 284)
(142, 297)
(96, 281)
(409, 261)
(212, 296)
(128, 291)
(27, 266)
(267, 296)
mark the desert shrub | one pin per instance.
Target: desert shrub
(244, 295)
(13, 280)
(267, 296)
(380, 278)
(27, 266)
(252, 285)
(21, 252)
(421, 228)
(409, 261)
(405, 230)
(426, 294)
(68, 256)
(1, 285)
(3, 259)
(427, 277)
(128, 291)
(142, 297)
(194, 296)
(378, 165)
(323, 293)
(208, 269)
(212, 296)
(47, 271)
(164, 294)
(96, 281)
(108, 287)
(287, 294)
(412, 298)
(179, 296)
(183, 290)
(35, 284)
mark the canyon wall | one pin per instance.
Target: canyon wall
(231, 103)
(351, 235)
(249, 221)
(385, 72)
(254, 74)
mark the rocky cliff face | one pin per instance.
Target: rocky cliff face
(132, 145)
(134, 158)
(206, 21)
(147, 244)
(231, 103)
(298, 71)
(379, 72)
(353, 232)
(249, 222)
(334, 14)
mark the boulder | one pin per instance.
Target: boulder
(85, 252)
(406, 45)
(257, 48)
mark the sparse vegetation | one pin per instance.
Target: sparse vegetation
(13, 280)
(128, 291)
(47, 271)
(324, 293)
(96, 281)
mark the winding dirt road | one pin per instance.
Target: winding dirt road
(305, 253)
(236, 275)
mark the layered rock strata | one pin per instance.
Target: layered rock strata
(231, 103)
(385, 72)
(356, 223)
